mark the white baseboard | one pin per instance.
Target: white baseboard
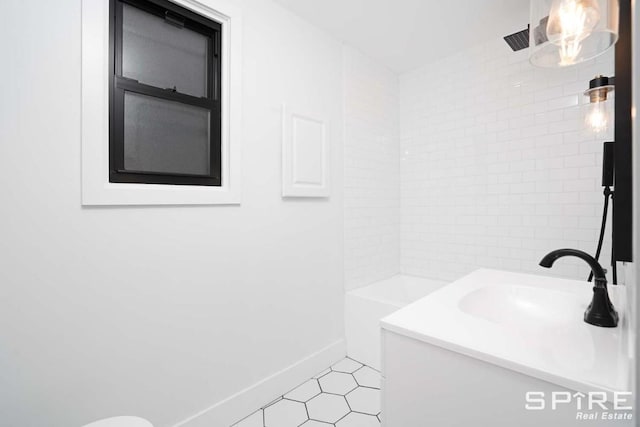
(243, 403)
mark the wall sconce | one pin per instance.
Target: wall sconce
(599, 108)
(568, 32)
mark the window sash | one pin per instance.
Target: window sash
(118, 85)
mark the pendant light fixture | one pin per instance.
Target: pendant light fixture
(598, 108)
(568, 32)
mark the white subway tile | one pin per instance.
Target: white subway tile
(499, 166)
(372, 170)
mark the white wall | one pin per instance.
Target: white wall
(496, 170)
(158, 312)
(372, 171)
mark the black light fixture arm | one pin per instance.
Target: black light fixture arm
(622, 224)
(601, 81)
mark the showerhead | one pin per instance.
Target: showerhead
(518, 41)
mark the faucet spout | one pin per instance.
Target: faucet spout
(553, 256)
(601, 311)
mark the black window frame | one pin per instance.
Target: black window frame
(118, 85)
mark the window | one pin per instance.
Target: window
(165, 95)
(99, 182)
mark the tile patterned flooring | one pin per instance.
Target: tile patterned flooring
(345, 395)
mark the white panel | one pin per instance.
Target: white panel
(365, 306)
(426, 382)
(308, 151)
(304, 155)
(362, 328)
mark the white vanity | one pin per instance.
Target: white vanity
(468, 354)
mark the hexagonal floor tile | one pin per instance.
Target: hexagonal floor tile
(285, 413)
(347, 366)
(365, 400)
(253, 420)
(358, 420)
(325, 372)
(337, 383)
(305, 391)
(314, 423)
(327, 407)
(367, 377)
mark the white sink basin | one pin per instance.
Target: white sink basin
(521, 306)
(549, 320)
(527, 323)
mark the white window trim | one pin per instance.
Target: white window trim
(96, 188)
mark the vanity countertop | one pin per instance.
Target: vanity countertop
(527, 323)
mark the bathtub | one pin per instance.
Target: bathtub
(364, 307)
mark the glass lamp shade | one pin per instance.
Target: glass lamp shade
(568, 32)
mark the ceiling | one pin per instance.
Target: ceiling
(405, 34)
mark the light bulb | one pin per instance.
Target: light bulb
(597, 118)
(570, 22)
(598, 113)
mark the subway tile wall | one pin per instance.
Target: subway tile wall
(372, 171)
(496, 166)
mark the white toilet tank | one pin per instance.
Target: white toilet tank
(121, 422)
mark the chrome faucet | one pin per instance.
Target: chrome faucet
(600, 312)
